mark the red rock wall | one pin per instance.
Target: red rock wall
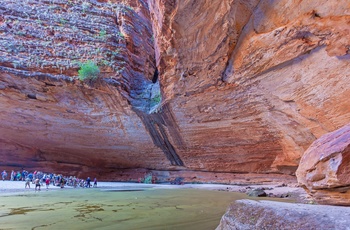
(253, 83)
(71, 127)
(50, 120)
(246, 86)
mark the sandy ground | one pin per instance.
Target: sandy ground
(280, 191)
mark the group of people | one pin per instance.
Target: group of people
(40, 178)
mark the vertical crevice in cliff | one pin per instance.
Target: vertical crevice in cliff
(160, 127)
(155, 76)
(140, 83)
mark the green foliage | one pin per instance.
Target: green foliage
(102, 33)
(157, 99)
(148, 179)
(88, 71)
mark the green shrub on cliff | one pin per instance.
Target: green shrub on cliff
(88, 71)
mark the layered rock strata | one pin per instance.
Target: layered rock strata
(53, 122)
(325, 168)
(253, 83)
(240, 87)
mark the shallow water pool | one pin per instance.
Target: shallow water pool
(113, 208)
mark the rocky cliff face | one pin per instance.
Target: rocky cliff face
(324, 168)
(50, 119)
(237, 87)
(253, 83)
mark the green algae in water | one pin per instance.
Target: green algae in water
(18, 211)
(97, 209)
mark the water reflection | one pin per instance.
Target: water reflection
(113, 208)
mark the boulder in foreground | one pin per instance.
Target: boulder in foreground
(324, 169)
(249, 214)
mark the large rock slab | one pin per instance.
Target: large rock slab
(249, 215)
(324, 169)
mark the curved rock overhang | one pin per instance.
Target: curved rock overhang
(212, 86)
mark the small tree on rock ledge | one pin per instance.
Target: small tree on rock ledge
(88, 71)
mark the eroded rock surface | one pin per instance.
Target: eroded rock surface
(253, 83)
(249, 214)
(325, 168)
(240, 87)
(50, 119)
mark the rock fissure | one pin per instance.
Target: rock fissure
(156, 125)
(145, 97)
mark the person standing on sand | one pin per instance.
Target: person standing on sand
(37, 184)
(63, 182)
(88, 180)
(27, 182)
(18, 177)
(4, 175)
(47, 182)
(12, 175)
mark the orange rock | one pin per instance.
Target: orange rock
(324, 168)
(244, 87)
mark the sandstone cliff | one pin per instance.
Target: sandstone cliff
(52, 121)
(246, 86)
(253, 83)
(325, 167)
